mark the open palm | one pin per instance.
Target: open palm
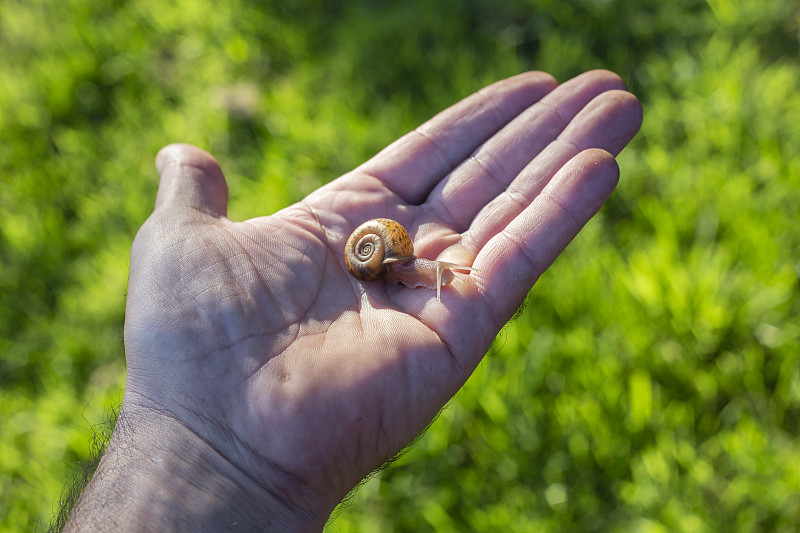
(253, 336)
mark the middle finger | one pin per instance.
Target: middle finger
(494, 165)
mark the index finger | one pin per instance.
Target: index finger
(414, 164)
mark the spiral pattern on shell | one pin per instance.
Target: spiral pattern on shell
(372, 244)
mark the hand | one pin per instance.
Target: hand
(255, 358)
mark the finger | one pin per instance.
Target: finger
(513, 260)
(492, 168)
(414, 164)
(190, 178)
(609, 122)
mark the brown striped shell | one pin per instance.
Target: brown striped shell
(375, 244)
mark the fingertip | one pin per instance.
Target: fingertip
(598, 155)
(636, 112)
(628, 105)
(531, 86)
(190, 177)
(603, 77)
(608, 75)
(183, 154)
(535, 77)
(608, 168)
(592, 175)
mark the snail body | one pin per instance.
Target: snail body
(382, 249)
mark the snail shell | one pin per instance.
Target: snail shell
(382, 249)
(374, 245)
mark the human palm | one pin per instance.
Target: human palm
(253, 335)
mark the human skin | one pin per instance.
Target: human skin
(264, 382)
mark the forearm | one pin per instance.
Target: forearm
(159, 476)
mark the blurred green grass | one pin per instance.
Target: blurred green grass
(652, 385)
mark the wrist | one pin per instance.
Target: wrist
(157, 474)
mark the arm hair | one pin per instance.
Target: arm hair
(83, 471)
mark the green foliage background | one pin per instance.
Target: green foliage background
(653, 383)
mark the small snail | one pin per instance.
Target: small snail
(382, 249)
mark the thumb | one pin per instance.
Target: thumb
(190, 178)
